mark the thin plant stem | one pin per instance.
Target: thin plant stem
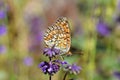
(65, 75)
(49, 58)
(50, 78)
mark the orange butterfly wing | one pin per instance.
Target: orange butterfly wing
(59, 35)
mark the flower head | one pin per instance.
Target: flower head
(3, 30)
(2, 49)
(2, 14)
(49, 68)
(102, 28)
(118, 19)
(117, 75)
(67, 67)
(28, 61)
(72, 68)
(118, 4)
(63, 63)
(51, 52)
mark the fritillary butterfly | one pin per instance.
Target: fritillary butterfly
(59, 35)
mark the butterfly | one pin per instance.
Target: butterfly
(59, 35)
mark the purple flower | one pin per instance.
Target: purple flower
(2, 49)
(118, 19)
(63, 63)
(117, 74)
(72, 68)
(102, 28)
(67, 67)
(49, 68)
(118, 5)
(51, 52)
(28, 61)
(35, 23)
(3, 30)
(2, 14)
(78, 30)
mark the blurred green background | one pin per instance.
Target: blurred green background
(95, 31)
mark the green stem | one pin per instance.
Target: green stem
(50, 78)
(65, 75)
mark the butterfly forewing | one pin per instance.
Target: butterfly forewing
(59, 35)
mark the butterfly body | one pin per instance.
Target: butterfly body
(59, 35)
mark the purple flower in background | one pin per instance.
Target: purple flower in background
(2, 14)
(78, 30)
(51, 52)
(2, 3)
(118, 19)
(117, 74)
(102, 28)
(36, 27)
(35, 23)
(2, 49)
(118, 4)
(39, 37)
(28, 61)
(50, 68)
(3, 30)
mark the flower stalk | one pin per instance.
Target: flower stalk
(50, 77)
(64, 78)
